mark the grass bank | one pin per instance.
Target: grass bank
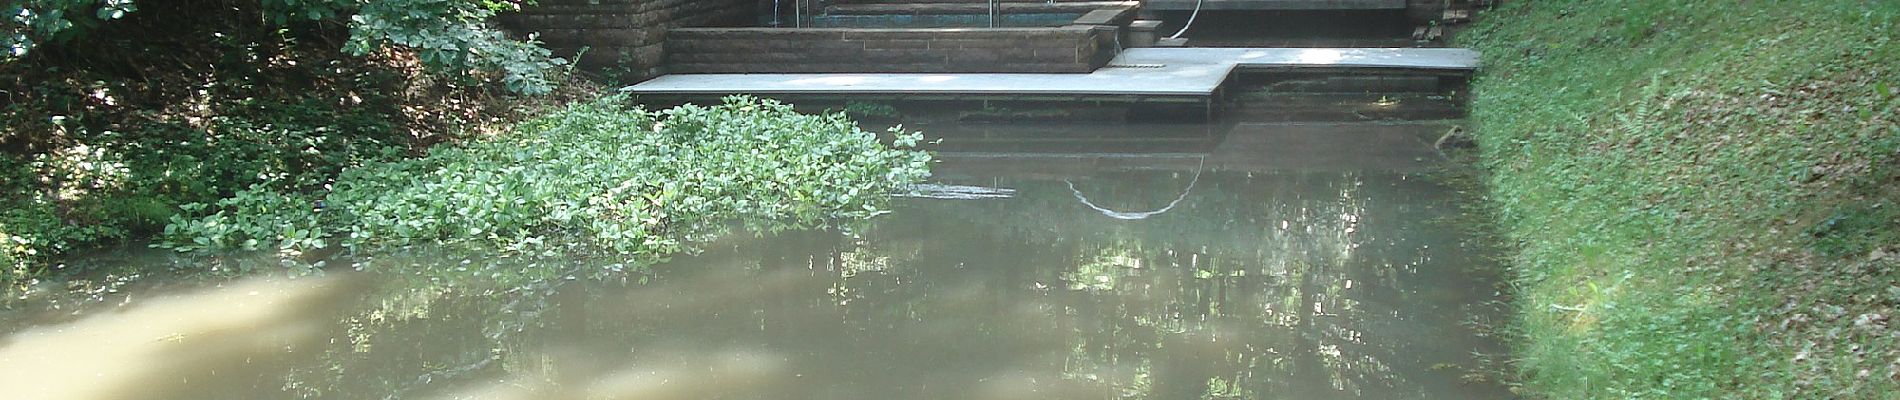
(1703, 194)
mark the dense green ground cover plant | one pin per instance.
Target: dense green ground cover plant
(597, 174)
(1702, 193)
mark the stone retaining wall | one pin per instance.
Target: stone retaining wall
(624, 35)
(1071, 49)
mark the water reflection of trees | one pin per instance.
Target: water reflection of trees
(1261, 285)
(1264, 285)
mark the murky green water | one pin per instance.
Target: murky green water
(1234, 261)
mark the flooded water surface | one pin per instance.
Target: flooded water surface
(1230, 261)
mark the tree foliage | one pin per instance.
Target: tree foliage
(30, 22)
(447, 35)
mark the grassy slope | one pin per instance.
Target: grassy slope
(1703, 193)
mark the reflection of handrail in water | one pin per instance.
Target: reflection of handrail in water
(1190, 21)
(955, 192)
(1141, 215)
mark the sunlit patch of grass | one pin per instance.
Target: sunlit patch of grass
(1701, 193)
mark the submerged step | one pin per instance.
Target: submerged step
(1266, 5)
(976, 8)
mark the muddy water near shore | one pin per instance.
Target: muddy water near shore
(1236, 260)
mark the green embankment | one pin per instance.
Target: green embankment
(1702, 194)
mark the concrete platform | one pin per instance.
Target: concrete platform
(1152, 73)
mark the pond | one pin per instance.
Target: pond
(1238, 260)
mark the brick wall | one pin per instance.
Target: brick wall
(629, 34)
(1072, 49)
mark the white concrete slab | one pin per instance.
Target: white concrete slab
(1412, 58)
(1179, 81)
(1135, 72)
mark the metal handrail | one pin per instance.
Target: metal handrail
(993, 13)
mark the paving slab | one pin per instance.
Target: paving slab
(1451, 59)
(1135, 72)
(977, 8)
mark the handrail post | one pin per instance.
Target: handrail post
(993, 13)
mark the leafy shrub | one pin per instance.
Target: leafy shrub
(295, 146)
(125, 184)
(450, 34)
(14, 250)
(31, 231)
(135, 181)
(617, 179)
(33, 228)
(102, 143)
(249, 220)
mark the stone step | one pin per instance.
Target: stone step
(913, 2)
(1456, 16)
(1277, 5)
(1428, 33)
(1015, 7)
